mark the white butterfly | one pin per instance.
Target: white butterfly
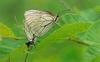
(37, 23)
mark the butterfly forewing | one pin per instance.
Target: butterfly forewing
(37, 23)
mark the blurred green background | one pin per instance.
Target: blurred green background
(12, 15)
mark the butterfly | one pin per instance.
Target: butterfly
(37, 23)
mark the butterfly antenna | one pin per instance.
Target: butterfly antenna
(57, 16)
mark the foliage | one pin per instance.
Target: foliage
(5, 31)
(75, 37)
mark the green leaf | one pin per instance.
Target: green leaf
(6, 32)
(68, 30)
(92, 36)
(53, 49)
(0, 38)
(96, 59)
(90, 15)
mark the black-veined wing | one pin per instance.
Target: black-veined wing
(37, 23)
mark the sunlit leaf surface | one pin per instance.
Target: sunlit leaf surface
(81, 20)
(5, 31)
